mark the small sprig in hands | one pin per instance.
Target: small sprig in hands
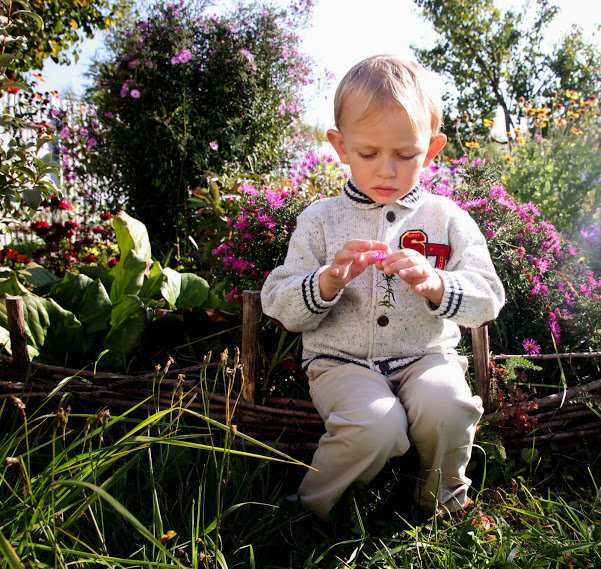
(387, 281)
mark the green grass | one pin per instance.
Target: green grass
(82, 488)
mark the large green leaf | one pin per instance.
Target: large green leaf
(194, 291)
(131, 235)
(95, 310)
(37, 275)
(184, 290)
(171, 285)
(96, 272)
(70, 290)
(153, 283)
(10, 285)
(127, 323)
(53, 333)
(129, 276)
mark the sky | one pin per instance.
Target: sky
(344, 32)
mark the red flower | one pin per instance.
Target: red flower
(105, 216)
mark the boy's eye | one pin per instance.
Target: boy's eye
(403, 157)
(368, 155)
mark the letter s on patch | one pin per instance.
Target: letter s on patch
(417, 240)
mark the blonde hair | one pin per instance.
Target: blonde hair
(386, 80)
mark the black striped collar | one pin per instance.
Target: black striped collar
(359, 199)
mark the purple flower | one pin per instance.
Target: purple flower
(181, 57)
(531, 346)
(379, 255)
(213, 144)
(92, 142)
(64, 133)
(135, 93)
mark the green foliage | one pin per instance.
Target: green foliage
(26, 169)
(97, 488)
(65, 24)
(493, 57)
(553, 161)
(183, 94)
(80, 316)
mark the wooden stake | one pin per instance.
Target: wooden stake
(251, 333)
(18, 334)
(480, 348)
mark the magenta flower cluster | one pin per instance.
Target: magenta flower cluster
(549, 289)
(257, 236)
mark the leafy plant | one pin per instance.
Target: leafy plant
(26, 168)
(98, 310)
(552, 297)
(211, 93)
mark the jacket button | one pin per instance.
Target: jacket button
(390, 216)
(384, 366)
(382, 320)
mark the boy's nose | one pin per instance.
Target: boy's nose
(386, 169)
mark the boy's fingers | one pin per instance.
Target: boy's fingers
(364, 245)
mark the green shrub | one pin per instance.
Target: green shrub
(183, 94)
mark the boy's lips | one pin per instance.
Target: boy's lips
(384, 189)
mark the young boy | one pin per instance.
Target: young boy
(382, 374)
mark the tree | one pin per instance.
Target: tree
(183, 93)
(65, 24)
(496, 57)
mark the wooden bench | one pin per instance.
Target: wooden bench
(251, 333)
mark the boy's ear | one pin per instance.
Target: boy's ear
(436, 145)
(335, 138)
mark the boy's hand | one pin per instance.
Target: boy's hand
(417, 272)
(348, 263)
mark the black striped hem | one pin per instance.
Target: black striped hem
(340, 359)
(354, 193)
(311, 297)
(401, 363)
(455, 297)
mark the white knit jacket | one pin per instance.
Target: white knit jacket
(354, 327)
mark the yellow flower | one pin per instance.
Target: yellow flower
(472, 144)
(540, 124)
(504, 179)
(573, 115)
(167, 536)
(488, 123)
(508, 158)
(577, 130)
(560, 121)
(520, 140)
(572, 95)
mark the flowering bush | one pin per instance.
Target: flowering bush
(257, 237)
(55, 239)
(318, 174)
(552, 159)
(183, 94)
(553, 298)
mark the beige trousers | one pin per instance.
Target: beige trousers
(370, 418)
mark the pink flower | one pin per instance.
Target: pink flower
(379, 255)
(135, 93)
(531, 346)
(213, 144)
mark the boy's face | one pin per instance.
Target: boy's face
(384, 152)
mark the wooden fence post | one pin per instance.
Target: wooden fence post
(18, 334)
(251, 333)
(481, 349)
